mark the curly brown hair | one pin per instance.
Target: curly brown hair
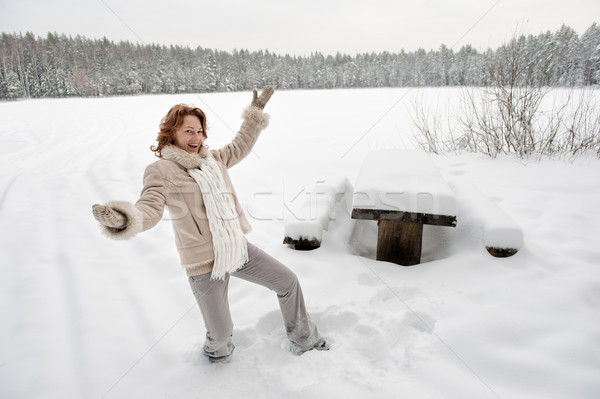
(173, 121)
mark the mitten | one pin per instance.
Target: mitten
(263, 99)
(108, 216)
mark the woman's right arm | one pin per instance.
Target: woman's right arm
(122, 220)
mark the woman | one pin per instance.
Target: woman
(209, 224)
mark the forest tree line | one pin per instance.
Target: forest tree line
(63, 66)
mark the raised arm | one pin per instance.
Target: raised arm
(254, 121)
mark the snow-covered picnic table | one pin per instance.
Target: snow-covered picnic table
(402, 190)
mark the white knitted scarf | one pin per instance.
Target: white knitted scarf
(229, 244)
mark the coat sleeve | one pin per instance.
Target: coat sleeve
(146, 212)
(153, 198)
(254, 121)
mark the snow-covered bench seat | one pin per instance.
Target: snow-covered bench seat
(500, 234)
(305, 232)
(402, 190)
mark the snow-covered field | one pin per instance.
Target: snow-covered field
(82, 316)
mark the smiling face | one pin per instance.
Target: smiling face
(190, 135)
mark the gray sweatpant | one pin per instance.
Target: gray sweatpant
(261, 268)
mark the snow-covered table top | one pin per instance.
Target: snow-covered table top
(396, 182)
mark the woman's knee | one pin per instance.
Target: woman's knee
(289, 284)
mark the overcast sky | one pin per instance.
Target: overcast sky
(300, 27)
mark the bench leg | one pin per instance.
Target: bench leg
(399, 242)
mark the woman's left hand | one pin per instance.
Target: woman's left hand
(263, 99)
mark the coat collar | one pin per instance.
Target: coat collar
(187, 160)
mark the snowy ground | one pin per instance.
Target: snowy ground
(86, 317)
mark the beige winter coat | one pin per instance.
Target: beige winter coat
(167, 182)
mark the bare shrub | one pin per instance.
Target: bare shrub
(508, 117)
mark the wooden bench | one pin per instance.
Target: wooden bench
(402, 190)
(501, 236)
(305, 231)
